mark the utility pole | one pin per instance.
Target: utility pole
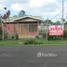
(2, 29)
(62, 16)
(2, 24)
(47, 30)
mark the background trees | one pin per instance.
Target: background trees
(47, 21)
(21, 13)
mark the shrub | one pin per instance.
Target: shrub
(32, 41)
(54, 37)
(5, 36)
(0, 34)
(16, 36)
(42, 33)
(65, 34)
(29, 41)
(37, 37)
(12, 37)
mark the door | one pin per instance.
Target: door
(25, 28)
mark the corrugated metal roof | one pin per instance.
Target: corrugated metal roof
(12, 19)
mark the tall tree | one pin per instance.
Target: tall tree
(5, 16)
(22, 13)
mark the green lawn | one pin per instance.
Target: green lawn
(44, 43)
(9, 43)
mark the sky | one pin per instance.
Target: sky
(48, 9)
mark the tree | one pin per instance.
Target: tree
(48, 21)
(5, 16)
(22, 13)
(8, 13)
(15, 16)
(57, 23)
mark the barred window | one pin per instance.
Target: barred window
(32, 28)
(17, 27)
(26, 26)
(20, 27)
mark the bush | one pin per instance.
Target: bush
(12, 37)
(32, 41)
(5, 36)
(29, 41)
(37, 37)
(42, 33)
(8, 37)
(16, 36)
(65, 34)
(0, 35)
(54, 37)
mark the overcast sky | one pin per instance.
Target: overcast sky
(44, 8)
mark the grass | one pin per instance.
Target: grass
(44, 43)
(8, 43)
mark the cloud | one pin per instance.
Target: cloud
(51, 13)
(17, 7)
(34, 4)
(38, 7)
(50, 9)
(39, 3)
(17, 1)
(1, 1)
(1, 7)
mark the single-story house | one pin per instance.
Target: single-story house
(26, 26)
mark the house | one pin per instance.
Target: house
(26, 26)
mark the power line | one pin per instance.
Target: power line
(56, 15)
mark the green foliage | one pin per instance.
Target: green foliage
(32, 41)
(13, 37)
(48, 21)
(16, 36)
(0, 32)
(0, 35)
(37, 37)
(57, 23)
(42, 32)
(9, 37)
(54, 37)
(65, 34)
(41, 43)
(5, 36)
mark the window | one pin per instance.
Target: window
(14, 27)
(17, 27)
(26, 26)
(32, 28)
(20, 27)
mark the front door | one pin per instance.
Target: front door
(25, 29)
